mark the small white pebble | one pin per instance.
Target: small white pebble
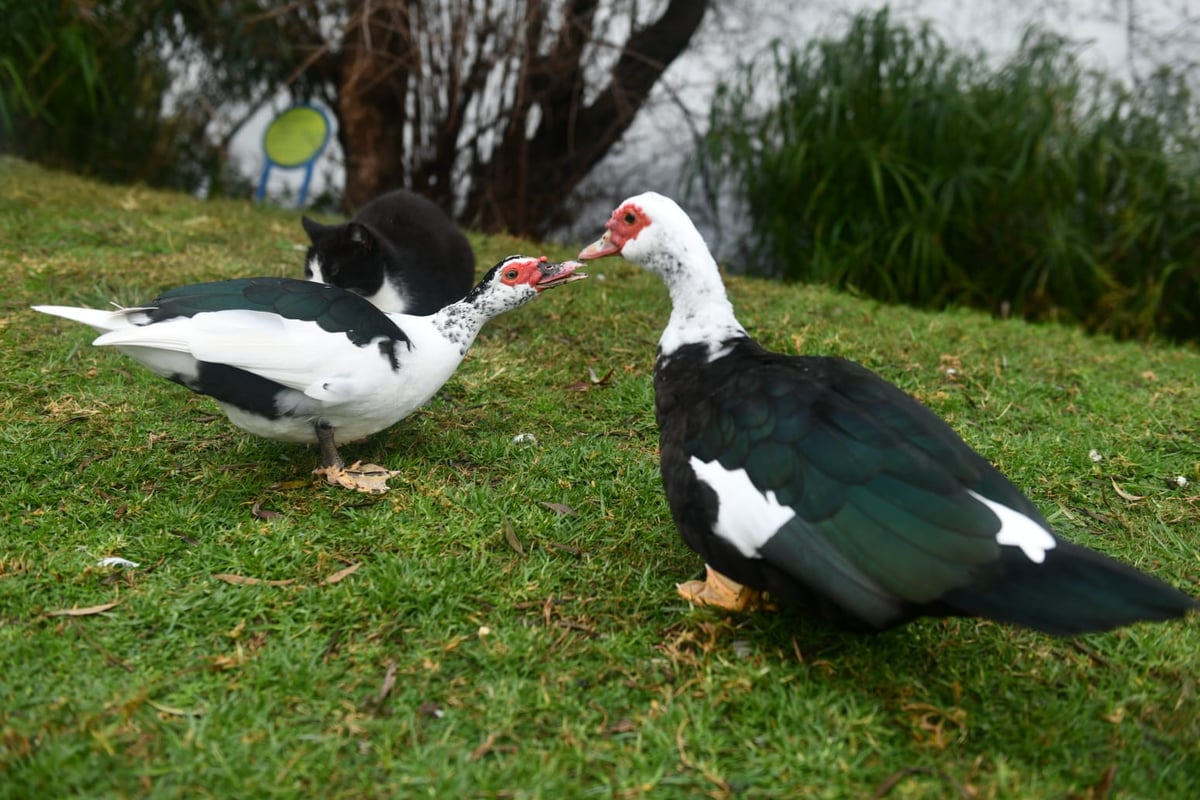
(1094, 455)
(524, 438)
(116, 561)
(1181, 481)
(484, 630)
(598, 276)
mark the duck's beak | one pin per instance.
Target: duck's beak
(557, 274)
(604, 246)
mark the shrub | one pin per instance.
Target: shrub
(886, 163)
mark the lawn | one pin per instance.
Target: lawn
(503, 623)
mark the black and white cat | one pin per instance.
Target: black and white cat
(400, 251)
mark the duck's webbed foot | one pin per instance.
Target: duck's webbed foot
(718, 591)
(367, 478)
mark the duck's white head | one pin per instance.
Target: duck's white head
(652, 231)
(511, 283)
(516, 280)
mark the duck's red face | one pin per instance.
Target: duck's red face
(538, 273)
(626, 222)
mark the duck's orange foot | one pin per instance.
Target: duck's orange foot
(366, 478)
(718, 591)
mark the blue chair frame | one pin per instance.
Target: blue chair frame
(308, 164)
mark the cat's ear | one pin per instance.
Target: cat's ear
(312, 228)
(361, 236)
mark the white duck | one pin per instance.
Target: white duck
(299, 361)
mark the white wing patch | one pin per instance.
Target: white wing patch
(746, 517)
(295, 353)
(1018, 530)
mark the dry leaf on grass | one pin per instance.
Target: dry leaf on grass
(592, 381)
(263, 513)
(243, 580)
(365, 478)
(488, 745)
(600, 381)
(510, 536)
(560, 508)
(342, 573)
(175, 712)
(484, 748)
(1133, 498)
(81, 612)
(575, 551)
(1104, 785)
(192, 540)
(389, 681)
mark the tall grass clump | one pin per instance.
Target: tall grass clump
(886, 162)
(84, 87)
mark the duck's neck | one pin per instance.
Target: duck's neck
(700, 310)
(459, 323)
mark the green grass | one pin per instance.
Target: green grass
(489, 646)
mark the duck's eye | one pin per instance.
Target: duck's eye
(630, 218)
(511, 274)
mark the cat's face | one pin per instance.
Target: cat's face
(346, 255)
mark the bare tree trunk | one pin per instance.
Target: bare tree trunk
(432, 96)
(372, 94)
(521, 190)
